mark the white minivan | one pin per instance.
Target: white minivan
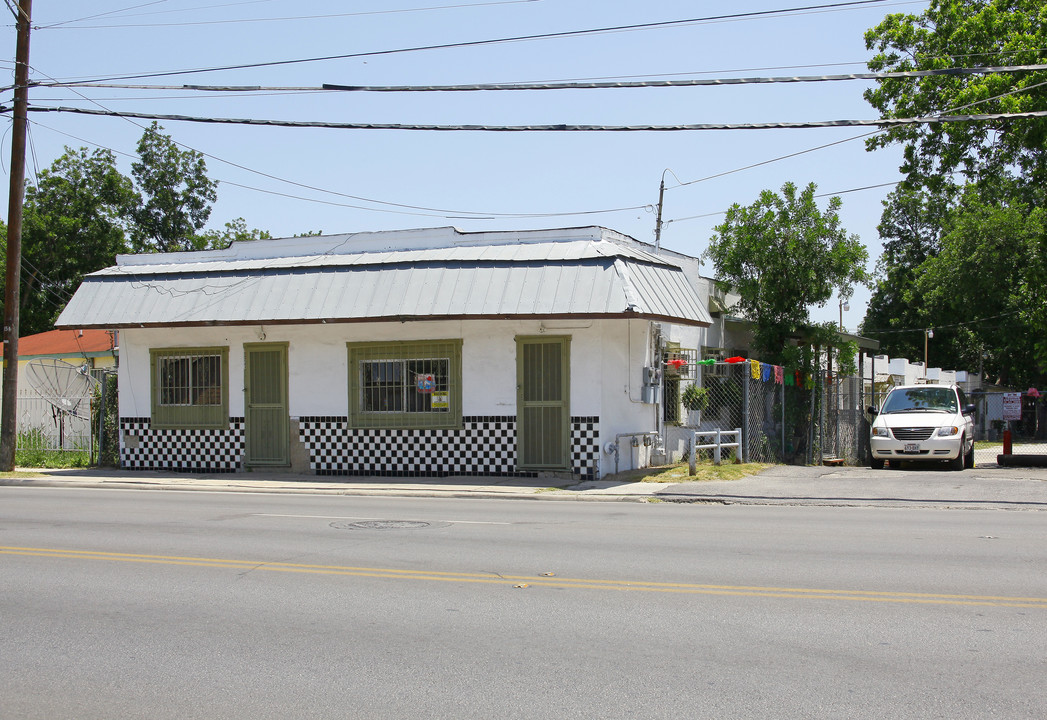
(923, 423)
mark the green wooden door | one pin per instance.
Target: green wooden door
(543, 412)
(265, 404)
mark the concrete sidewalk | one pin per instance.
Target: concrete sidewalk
(986, 486)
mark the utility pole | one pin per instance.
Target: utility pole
(9, 408)
(658, 218)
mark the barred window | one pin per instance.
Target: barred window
(405, 384)
(190, 387)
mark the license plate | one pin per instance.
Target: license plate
(912, 448)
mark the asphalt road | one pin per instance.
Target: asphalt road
(140, 604)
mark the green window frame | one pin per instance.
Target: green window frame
(413, 384)
(189, 387)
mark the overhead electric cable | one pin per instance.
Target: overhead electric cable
(405, 208)
(239, 21)
(98, 15)
(558, 127)
(435, 212)
(893, 331)
(768, 162)
(563, 85)
(819, 195)
(694, 82)
(494, 41)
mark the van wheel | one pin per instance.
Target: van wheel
(876, 464)
(968, 457)
(957, 463)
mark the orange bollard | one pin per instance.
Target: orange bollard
(1007, 442)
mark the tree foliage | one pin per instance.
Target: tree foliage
(82, 212)
(992, 266)
(73, 224)
(961, 252)
(176, 195)
(782, 254)
(911, 228)
(234, 231)
(955, 34)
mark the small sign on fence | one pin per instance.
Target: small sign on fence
(1012, 406)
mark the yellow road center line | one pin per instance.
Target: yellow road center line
(537, 581)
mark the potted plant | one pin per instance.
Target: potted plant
(696, 399)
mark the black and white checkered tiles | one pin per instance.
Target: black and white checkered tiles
(486, 445)
(144, 448)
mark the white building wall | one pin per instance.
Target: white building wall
(607, 359)
(317, 361)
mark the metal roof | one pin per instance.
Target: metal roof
(565, 278)
(523, 252)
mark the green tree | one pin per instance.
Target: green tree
(782, 255)
(234, 231)
(1002, 157)
(988, 286)
(176, 195)
(73, 224)
(911, 228)
(82, 212)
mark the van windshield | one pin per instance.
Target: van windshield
(921, 399)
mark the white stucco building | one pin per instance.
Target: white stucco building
(416, 352)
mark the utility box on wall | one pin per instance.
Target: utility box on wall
(651, 392)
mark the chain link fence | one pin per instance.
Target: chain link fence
(784, 418)
(1021, 415)
(69, 425)
(820, 418)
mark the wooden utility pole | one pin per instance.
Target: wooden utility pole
(9, 409)
(658, 219)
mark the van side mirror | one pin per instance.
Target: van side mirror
(969, 409)
(872, 411)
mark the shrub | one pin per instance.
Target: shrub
(695, 397)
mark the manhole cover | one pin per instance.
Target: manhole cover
(381, 525)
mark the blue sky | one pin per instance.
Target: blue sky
(289, 181)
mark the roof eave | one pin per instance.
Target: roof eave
(397, 318)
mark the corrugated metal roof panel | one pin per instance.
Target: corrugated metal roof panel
(522, 252)
(592, 287)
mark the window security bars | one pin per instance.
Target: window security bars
(405, 384)
(190, 387)
(187, 380)
(411, 386)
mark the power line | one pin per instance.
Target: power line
(768, 162)
(405, 209)
(98, 15)
(273, 19)
(437, 212)
(256, 88)
(894, 331)
(495, 41)
(694, 82)
(559, 127)
(563, 85)
(819, 195)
